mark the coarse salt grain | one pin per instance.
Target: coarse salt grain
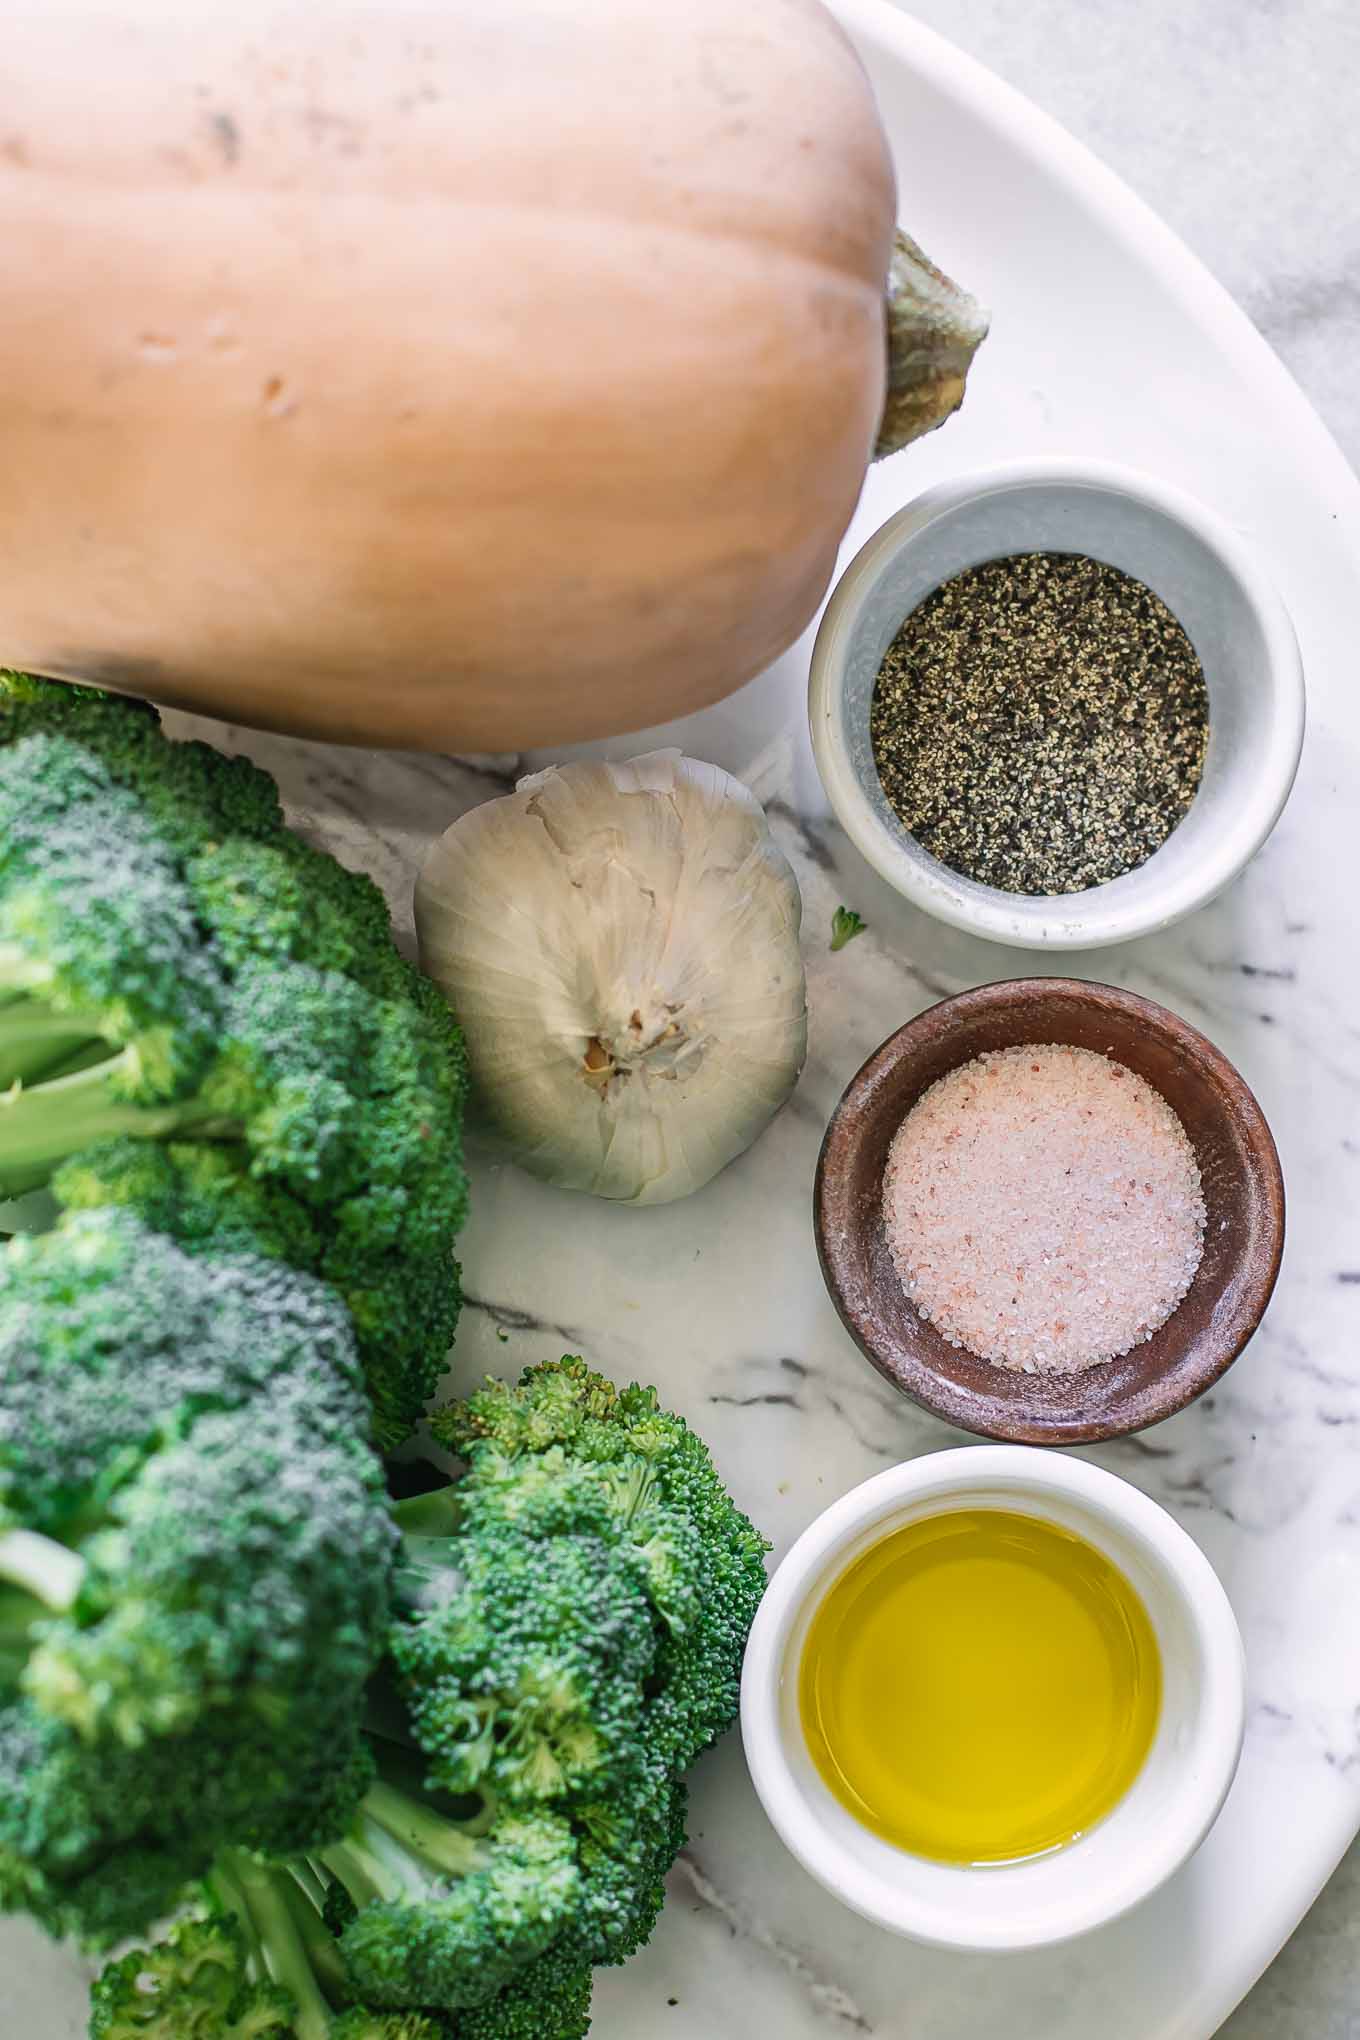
(1044, 1208)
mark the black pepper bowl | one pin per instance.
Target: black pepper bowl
(1243, 1195)
(1209, 580)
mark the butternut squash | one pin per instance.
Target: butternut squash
(467, 375)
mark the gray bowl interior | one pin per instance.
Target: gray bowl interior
(1197, 585)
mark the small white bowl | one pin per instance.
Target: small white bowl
(1208, 578)
(1164, 1815)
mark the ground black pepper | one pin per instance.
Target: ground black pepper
(1039, 723)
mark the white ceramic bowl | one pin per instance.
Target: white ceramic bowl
(1210, 581)
(1166, 1812)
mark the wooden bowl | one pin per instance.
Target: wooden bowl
(1243, 1195)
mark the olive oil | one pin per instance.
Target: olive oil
(981, 1686)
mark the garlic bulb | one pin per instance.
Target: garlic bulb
(620, 944)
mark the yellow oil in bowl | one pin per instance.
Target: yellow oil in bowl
(980, 1686)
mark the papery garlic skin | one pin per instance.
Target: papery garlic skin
(620, 944)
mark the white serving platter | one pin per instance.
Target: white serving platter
(1111, 341)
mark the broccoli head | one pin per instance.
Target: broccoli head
(569, 1621)
(113, 1339)
(177, 967)
(566, 1441)
(259, 1963)
(448, 1910)
(525, 1672)
(193, 1985)
(572, 1614)
(548, 2000)
(195, 1569)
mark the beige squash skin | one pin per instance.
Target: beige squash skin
(470, 376)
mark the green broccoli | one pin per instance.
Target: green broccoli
(570, 1619)
(550, 2000)
(260, 1965)
(196, 1569)
(567, 1440)
(193, 1685)
(448, 1910)
(845, 925)
(194, 1985)
(153, 1338)
(548, 1643)
(178, 968)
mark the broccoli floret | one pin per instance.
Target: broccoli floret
(111, 1000)
(550, 2000)
(564, 1431)
(176, 967)
(242, 1568)
(196, 1676)
(112, 1339)
(191, 1986)
(628, 1844)
(259, 1964)
(569, 1620)
(183, 786)
(199, 1194)
(572, 1616)
(205, 1981)
(525, 1672)
(85, 1845)
(195, 1568)
(448, 1912)
(285, 902)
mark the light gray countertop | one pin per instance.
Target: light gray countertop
(1235, 119)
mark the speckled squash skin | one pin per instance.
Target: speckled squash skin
(469, 376)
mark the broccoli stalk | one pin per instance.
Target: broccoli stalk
(42, 1578)
(280, 1941)
(396, 1845)
(48, 1575)
(37, 1042)
(42, 1124)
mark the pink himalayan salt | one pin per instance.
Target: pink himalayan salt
(1043, 1207)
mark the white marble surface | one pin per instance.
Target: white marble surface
(1237, 123)
(718, 1299)
(1235, 120)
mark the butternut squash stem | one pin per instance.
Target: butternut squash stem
(933, 331)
